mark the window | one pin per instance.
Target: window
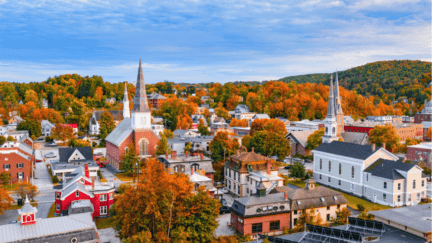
(238, 177)
(111, 196)
(422, 183)
(422, 193)
(238, 189)
(333, 130)
(103, 210)
(274, 225)
(6, 166)
(20, 165)
(295, 221)
(230, 173)
(195, 167)
(399, 186)
(295, 212)
(352, 171)
(352, 187)
(247, 190)
(320, 177)
(329, 179)
(385, 185)
(235, 175)
(409, 198)
(328, 217)
(338, 206)
(329, 166)
(418, 196)
(57, 195)
(143, 146)
(257, 228)
(57, 207)
(414, 184)
(103, 197)
(20, 175)
(339, 183)
(399, 198)
(328, 207)
(384, 196)
(340, 169)
(326, 130)
(226, 172)
(77, 193)
(367, 177)
(320, 164)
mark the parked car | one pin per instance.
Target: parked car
(308, 161)
(287, 167)
(224, 209)
(224, 190)
(49, 155)
(224, 202)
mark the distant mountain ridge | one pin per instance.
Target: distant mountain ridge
(389, 80)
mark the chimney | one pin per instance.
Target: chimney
(93, 184)
(191, 171)
(268, 167)
(252, 150)
(286, 195)
(160, 93)
(174, 154)
(86, 171)
(384, 145)
(202, 156)
(373, 147)
(166, 154)
(187, 153)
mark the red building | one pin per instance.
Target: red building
(74, 127)
(17, 159)
(136, 130)
(298, 142)
(420, 152)
(78, 186)
(155, 99)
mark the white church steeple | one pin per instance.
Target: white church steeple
(330, 121)
(126, 111)
(141, 114)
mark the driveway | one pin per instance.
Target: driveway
(110, 177)
(108, 235)
(42, 178)
(223, 229)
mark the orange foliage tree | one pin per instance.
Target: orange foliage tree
(271, 125)
(5, 200)
(238, 123)
(62, 132)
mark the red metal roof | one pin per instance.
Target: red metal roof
(73, 125)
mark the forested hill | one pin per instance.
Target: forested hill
(389, 80)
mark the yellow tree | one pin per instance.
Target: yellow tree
(99, 93)
(30, 95)
(5, 200)
(384, 134)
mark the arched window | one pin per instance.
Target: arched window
(143, 147)
(340, 168)
(329, 166)
(352, 171)
(195, 167)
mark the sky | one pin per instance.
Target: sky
(197, 41)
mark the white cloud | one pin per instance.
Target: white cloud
(373, 4)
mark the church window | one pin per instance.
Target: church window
(326, 130)
(333, 130)
(329, 166)
(352, 171)
(340, 168)
(320, 164)
(143, 147)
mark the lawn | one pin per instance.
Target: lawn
(124, 176)
(352, 200)
(102, 223)
(51, 211)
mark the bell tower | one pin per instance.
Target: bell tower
(330, 121)
(27, 213)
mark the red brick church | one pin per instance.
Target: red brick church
(136, 129)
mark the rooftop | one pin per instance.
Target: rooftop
(422, 146)
(351, 150)
(389, 169)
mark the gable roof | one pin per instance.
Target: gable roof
(309, 198)
(120, 133)
(248, 206)
(249, 157)
(156, 96)
(261, 116)
(388, 169)
(300, 136)
(117, 115)
(46, 123)
(351, 150)
(355, 137)
(65, 153)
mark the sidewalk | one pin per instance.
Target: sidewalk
(42, 178)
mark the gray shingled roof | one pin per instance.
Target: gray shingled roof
(309, 198)
(387, 169)
(347, 149)
(261, 116)
(117, 114)
(300, 136)
(140, 103)
(120, 133)
(65, 153)
(355, 137)
(248, 206)
(156, 96)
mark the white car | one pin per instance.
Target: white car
(224, 190)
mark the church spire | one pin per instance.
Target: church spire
(331, 106)
(140, 99)
(126, 111)
(337, 102)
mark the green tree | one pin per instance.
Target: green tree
(270, 143)
(5, 177)
(315, 139)
(129, 158)
(203, 129)
(341, 217)
(297, 170)
(167, 133)
(223, 146)
(10, 139)
(246, 140)
(384, 134)
(31, 95)
(2, 140)
(107, 125)
(34, 127)
(188, 147)
(162, 146)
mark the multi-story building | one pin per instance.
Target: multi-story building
(94, 123)
(46, 127)
(17, 159)
(403, 130)
(369, 172)
(72, 158)
(241, 131)
(245, 170)
(80, 186)
(298, 142)
(196, 120)
(425, 114)
(259, 116)
(156, 99)
(136, 130)
(219, 127)
(15, 120)
(420, 153)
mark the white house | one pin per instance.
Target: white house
(46, 126)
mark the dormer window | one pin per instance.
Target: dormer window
(335, 198)
(298, 203)
(77, 193)
(322, 199)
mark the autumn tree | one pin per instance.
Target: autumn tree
(129, 158)
(5, 200)
(238, 123)
(308, 216)
(5, 177)
(429, 132)
(271, 125)
(297, 170)
(34, 127)
(270, 143)
(79, 143)
(107, 125)
(2, 140)
(315, 139)
(163, 208)
(162, 146)
(31, 95)
(342, 215)
(221, 111)
(223, 146)
(24, 189)
(99, 93)
(62, 132)
(203, 129)
(384, 134)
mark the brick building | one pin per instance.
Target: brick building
(403, 130)
(79, 186)
(425, 114)
(298, 142)
(420, 152)
(156, 99)
(137, 129)
(17, 159)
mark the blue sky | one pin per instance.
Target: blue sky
(206, 41)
